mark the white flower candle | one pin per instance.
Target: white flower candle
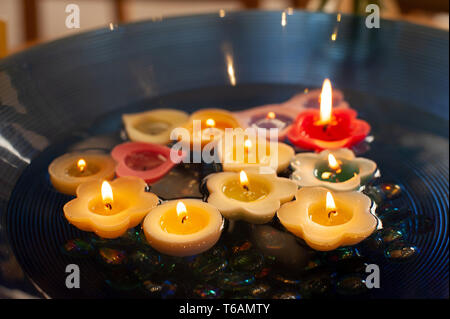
(337, 170)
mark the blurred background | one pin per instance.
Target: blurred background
(24, 23)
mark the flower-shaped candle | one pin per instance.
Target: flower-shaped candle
(153, 126)
(252, 152)
(209, 125)
(267, 117)
(183, 228)
(72, 169)
(327, 128)
(326, 221)
(109, 209)
(147, 161)
(338, 170)
(249, 196)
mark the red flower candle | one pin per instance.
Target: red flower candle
(327, 128)
(147, 161)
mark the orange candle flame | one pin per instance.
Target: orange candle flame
(332, 162)
(210, 123)
(326, 102)
(330, 204)
(271, 115)
(182, 211)
(81, 164)
(244, 180)
(107, 195)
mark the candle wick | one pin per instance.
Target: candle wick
(109, 206)
(325, 127)
(331, 213)
(183, 219)
(245, 187)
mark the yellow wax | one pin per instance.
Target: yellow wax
(251, 154)
(187, 223)
(152, 128)
(256, 190)
(90, 169)
(319, 214)
(98, 206)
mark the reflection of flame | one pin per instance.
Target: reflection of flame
(326, 102)
(107, 194)
(331, 206)
(332, 162)
(222, 13)
(210, 122)
(230, 69)
(243, 179)
(81, 164)
(271, 115)
(283, 19)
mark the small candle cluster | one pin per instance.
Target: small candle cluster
(327, 212)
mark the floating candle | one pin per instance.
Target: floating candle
(327, 128)
(338, 170)
(326, 220)
(249, 196)
(311, 100)
(267, 117)
(153, 126)
(109, 209)
(147, 161)
(256, 153)
(72, 169)
(209, 125)
(183, 228)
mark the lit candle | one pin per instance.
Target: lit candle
(337, 170)
(153, 126)
(327, 128)
(249, 196)
(212, 125)
(183, 228)
(147, 161)
(326, 221)
(109, 209)
(72, 169)
(257, 154)
(267, 117)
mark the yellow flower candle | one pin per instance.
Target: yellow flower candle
(109, 209)
(211, 125)
(249, 196)
(72, 169)
(153, 126)
(183, 227)
(257, 153)
(326, 220)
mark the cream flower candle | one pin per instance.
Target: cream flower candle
(326, 220)
(338, 169)
(249, 196)
(153, 126)
(71, 169)
(183, 227)
(254, 153)
(109, 209)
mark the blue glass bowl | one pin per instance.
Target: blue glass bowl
(55, 95)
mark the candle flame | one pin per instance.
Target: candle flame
(81, 164)
(107, 194)
(331, 206)
(181, 209)
(326, 102)
(271, 115)
(247, 144)
(210, 123)
(243, 179)
(332, 162)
